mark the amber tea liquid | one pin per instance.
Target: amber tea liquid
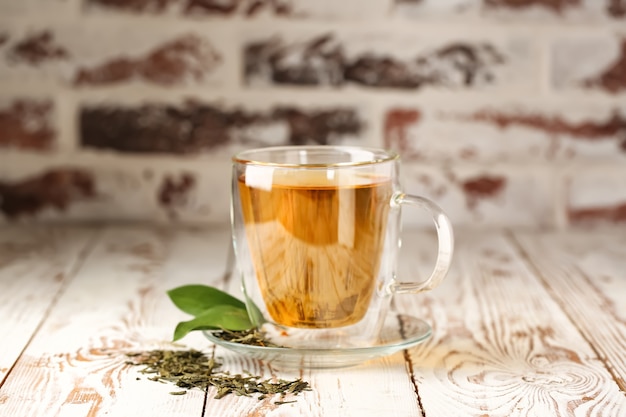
(316, 243)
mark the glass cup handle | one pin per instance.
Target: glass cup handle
(445, 237)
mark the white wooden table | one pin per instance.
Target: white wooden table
(526, 324)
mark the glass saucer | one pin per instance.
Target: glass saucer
(399, 332)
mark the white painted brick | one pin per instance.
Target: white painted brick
(508, 130)
(38, 8)
(595, 195)
(579, 63)
(596, 186)
(524, 197)
(203, 57)
(543, 111)
(128, 190)
(345, 10)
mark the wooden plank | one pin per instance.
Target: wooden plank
(75, 364)
(35, 264)
(116, 304)
(379, 387)
(586, 274)
(501, 346)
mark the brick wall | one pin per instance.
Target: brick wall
(506, 112)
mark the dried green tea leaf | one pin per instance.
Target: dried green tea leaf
(252, 337)
(190, 369)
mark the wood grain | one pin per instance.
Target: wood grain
(378, 387)
(389, 391)
(116, 304)
(502, 346)
(35, 265)
(586, 275)
(526, 324)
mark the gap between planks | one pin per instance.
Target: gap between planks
(527, 258)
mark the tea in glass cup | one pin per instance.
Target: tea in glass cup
(316, 231)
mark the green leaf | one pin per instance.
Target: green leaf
(254, 313)
(195, 299)
(218, 317)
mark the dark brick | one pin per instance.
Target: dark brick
(612, 214)
(56, 188)
(174, 192)
(194, 127)
(397, 122)
(169, 64)
(135, 6)
(614, 127)
(557, 6)
(25, 124)
(482, 187)
(613, 78)
(469, 60)
(317, 126)
(153, 128)
(248, 8)
(36, 49)
(382, 71)
(616, 8)
(321, 61)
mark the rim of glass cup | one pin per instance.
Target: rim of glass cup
(379, 156)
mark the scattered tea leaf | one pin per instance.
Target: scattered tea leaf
(190, 369)
(213, 310)
(252, 337)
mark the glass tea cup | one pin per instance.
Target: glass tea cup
(316, 231)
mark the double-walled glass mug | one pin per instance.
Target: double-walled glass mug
(316, 231)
